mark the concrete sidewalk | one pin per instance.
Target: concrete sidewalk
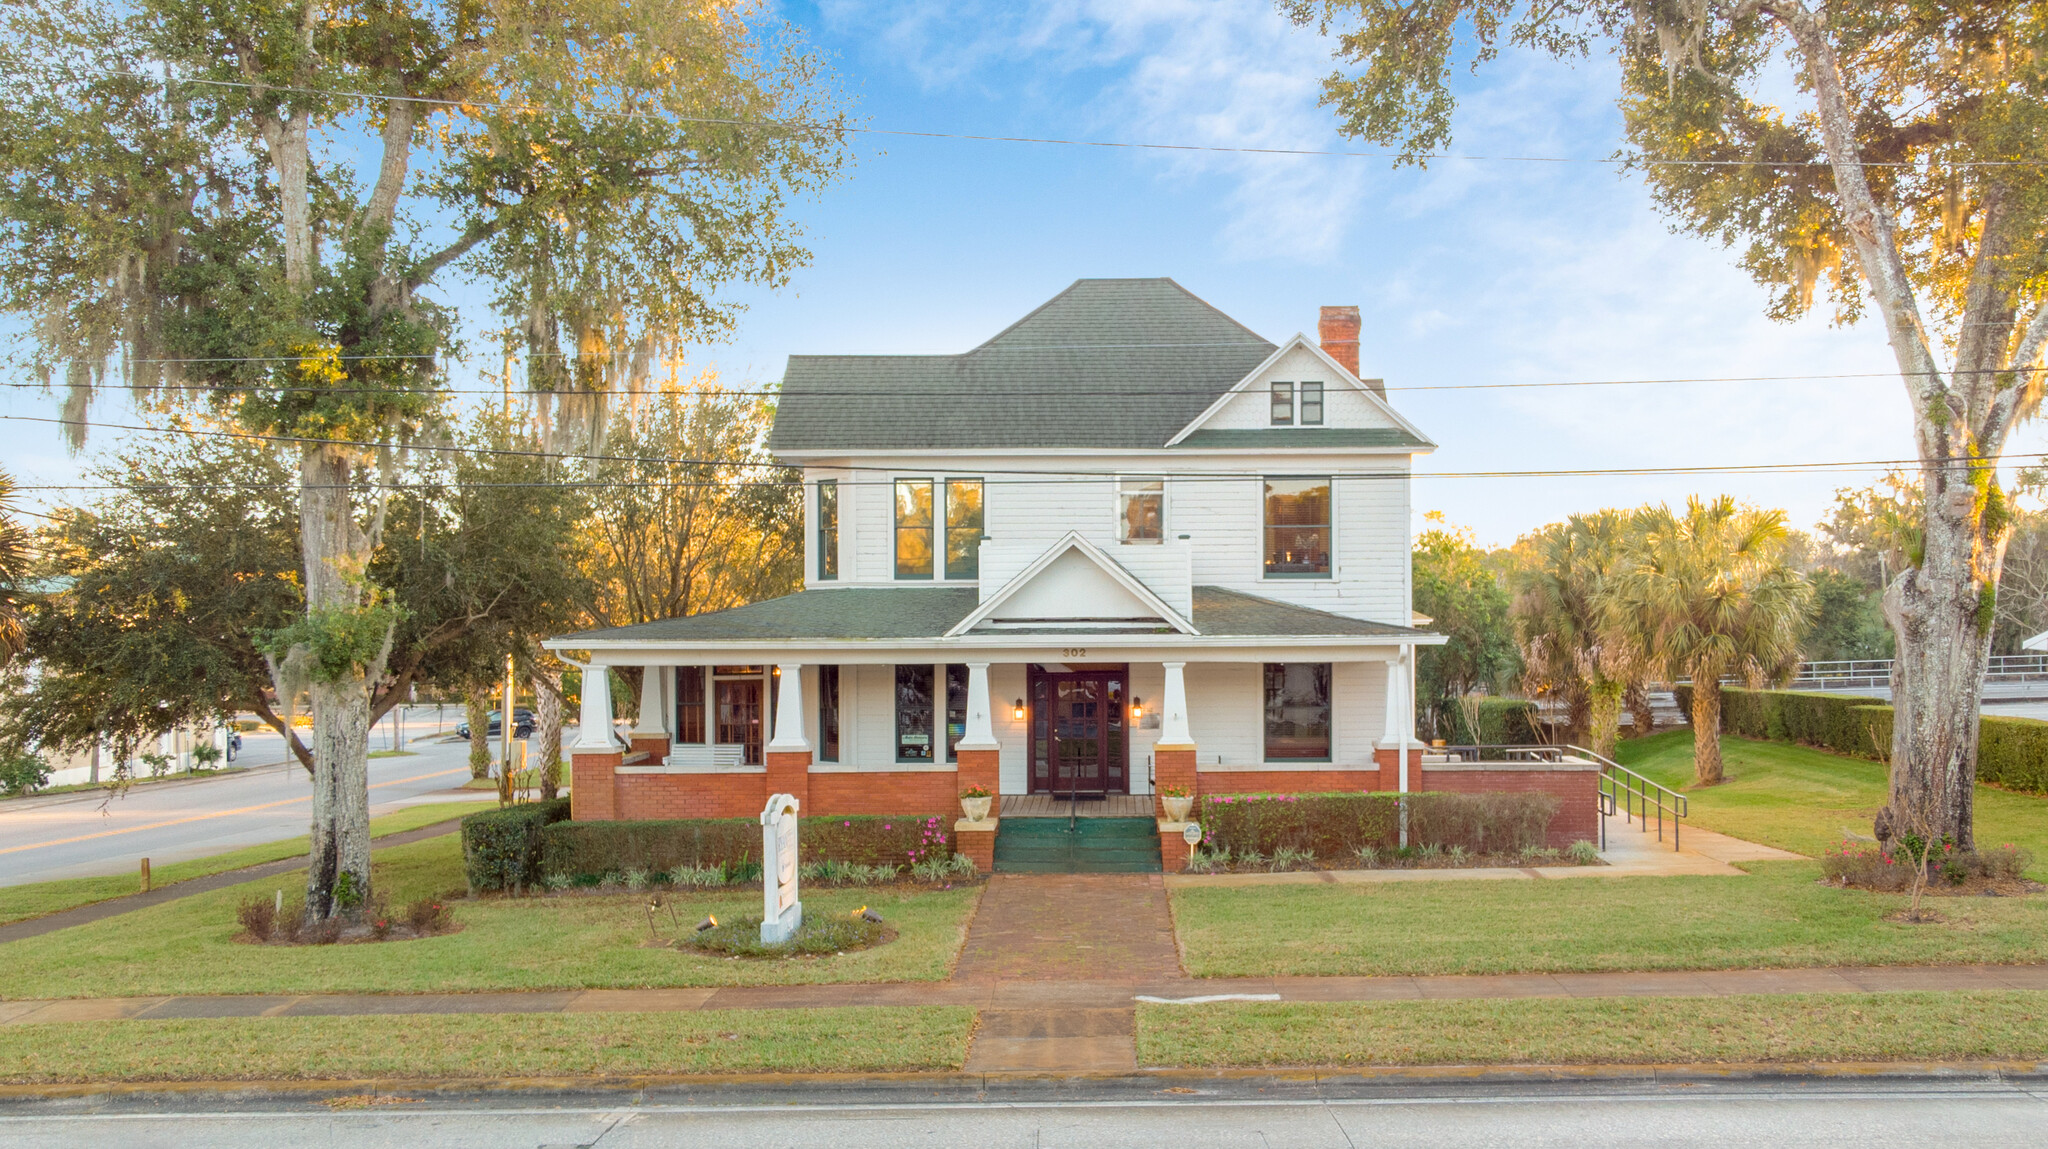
(1632, 852)
(1064, 995)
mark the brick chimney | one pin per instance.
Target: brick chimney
(1337, 330)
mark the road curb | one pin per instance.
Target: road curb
(942, 1087)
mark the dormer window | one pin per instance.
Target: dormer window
(1311, 404)
(1283, 405)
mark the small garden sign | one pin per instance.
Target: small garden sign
(781, 911)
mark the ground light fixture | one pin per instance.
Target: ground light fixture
(710, 922)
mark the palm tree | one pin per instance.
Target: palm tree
(1575, 643)
(13, 569)
(1709, 595)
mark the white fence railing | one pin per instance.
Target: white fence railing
(1868, 672)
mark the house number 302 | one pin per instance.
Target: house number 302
(1074, 652)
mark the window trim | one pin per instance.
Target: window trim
(897, 528)
(828, 543)
(1302, 405)
(1329, 526)
(1117, 508)
(1276, 389)
(1329, 720)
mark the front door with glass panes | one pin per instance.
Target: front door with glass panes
(1080, 740)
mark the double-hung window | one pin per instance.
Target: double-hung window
(913, 528)
(1283, 404)
(1298, 711)
(828, 529)
(1311, 404)
(1141, 509)
(1298, 527)
(690, 704)
(963, 528)
(828, 714)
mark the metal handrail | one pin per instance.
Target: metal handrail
(1633, 796)
(1621, 790)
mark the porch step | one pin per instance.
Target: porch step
(1092, 846)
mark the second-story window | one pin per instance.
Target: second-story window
(1298, 528)
(828, 529)
(963, 528)
(913, 528)
(1283, 404)
(1311, 404)
(1141, 509)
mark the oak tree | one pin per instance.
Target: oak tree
(1887, 156)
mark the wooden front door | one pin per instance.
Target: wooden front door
(1080, 741)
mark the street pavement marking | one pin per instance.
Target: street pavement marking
(216, 814)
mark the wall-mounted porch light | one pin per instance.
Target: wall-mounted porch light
(1017, 711)
(1137, 709)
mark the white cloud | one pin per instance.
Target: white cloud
(1213, 73)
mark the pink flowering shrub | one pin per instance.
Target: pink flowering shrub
(1872, 867)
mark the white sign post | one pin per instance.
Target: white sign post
(781, 911)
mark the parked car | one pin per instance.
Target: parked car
(522, 724)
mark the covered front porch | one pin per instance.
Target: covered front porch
(877, 701)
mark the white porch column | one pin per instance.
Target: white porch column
(789, 711)
(981, 731)
(595, 733)
(1173, 713)
(653, 711)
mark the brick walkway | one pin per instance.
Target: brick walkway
(1055, 943)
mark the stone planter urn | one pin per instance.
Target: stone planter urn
(975, 809)
(1177, 808)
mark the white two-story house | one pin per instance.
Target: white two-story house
(1125, 544)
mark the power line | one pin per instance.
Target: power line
(840, 127)
(1032, 478)
(929, 392)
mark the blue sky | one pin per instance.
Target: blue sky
(1469, 272)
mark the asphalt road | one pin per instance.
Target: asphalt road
(90, 833)
(1706, 1113)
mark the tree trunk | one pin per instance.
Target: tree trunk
(1641, 714)
(336, 553)
(1603, 716)
(547, 730)
(1937, 684)
(1706, 730)
(476, 702)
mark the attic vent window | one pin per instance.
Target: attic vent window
(1283, 404)
(1311, 404)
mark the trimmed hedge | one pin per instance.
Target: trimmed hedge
(581, 849)
(1335, 825)
(501, 849)
(2011, 752)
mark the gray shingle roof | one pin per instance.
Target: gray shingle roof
(1232, 612)
(927, 612)
(842, 612)
(1105, 363)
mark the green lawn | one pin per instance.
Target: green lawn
(1779, 916)
(489, 1045)
(38, 898)
(1551, 1031)
(564, 942)
(1801, 799)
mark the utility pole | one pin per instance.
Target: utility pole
(505, 730)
